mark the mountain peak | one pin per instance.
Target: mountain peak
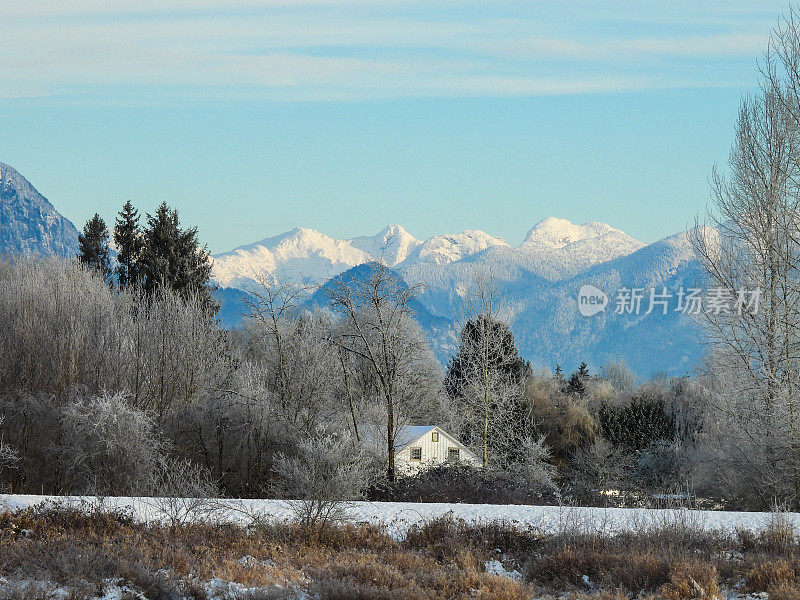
(301, 255)
(391, 245)
(557, 233)
(306, 232)
(11, 178)
(443, 249)
(396, 233)
(394, 230)
(30, 224)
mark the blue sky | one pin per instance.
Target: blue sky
(347, 115)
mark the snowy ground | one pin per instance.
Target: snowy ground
(398, 517)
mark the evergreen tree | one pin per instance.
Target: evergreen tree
(484, 381)
(559, 377)
(93, 246)
(128, 238)
(577, 381)
(638, 424)
(172, 258)
(485, 340)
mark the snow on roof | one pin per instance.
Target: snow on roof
(411, 433)
(407, 434)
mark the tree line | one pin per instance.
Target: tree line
(111, 390)
(158, 255)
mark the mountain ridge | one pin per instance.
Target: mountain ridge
(311, 256)
(29, 223)
(538, 279)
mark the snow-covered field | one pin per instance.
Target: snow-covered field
(398, 517)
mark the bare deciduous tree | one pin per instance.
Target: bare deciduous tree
(378, 328)
(485, 377)
(752, 257)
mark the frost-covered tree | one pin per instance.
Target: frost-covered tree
(484, 379)
(619, 375)
(59, 327)
(9, 456)
(176, 351)
(534, 467)
(378, 332)
(327, 470)
(596, 468)
(108, 446)
(298, 363)
(752, 257)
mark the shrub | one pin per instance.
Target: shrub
(108, 446)
(597, 468)
(462, 483)
(603, 567)
(564, 421)
(688, 580)
(769, 575)
(784, 591)
(446, 535)
(328, 471)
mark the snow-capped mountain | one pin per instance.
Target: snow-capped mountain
(303, 256)
(538, 282)
(29, 224)
(445, 249)
(392, 245)
(557, 233)
(554, 248)
(550, 329)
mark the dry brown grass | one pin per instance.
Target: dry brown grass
(568, 566)
(73, 547)
(772, 575)
(692, 579)
(784, 591)
(445, 535)
(442, 559)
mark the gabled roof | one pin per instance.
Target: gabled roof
(410, 434)
(407, 434)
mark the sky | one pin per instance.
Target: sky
(252, 117)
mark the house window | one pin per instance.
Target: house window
(452, 454)
(416, 453)
(435, 436)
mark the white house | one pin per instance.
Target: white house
(421, 447)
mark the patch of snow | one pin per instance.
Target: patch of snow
(495, 567)
(587, 582)
(399, 517)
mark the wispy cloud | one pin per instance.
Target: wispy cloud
(326, 49)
